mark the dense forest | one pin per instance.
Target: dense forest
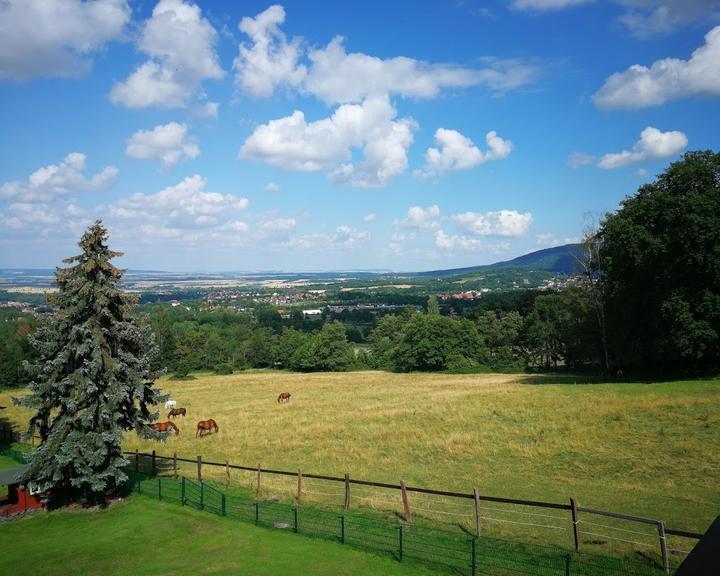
(647, 304)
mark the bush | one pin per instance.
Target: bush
(223, 369)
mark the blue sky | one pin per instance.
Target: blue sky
(330, 135)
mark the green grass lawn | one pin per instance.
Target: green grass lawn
(142, 536)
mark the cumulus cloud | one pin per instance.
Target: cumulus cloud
(500, 223)
(181, 47)
(166, 143)
(371, 217)
(652, 145)
(545, 5)
(179, 210)
(451, 242)
(269, 60)
(272, 187)
(292, 143)
(56, 180)
(650, 17)
(667, 79)
(548, 240)
(420, 218)
(56, 37)
(577, 159)
(457, 152)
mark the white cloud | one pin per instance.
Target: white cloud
(649, 17)
(168, 144)
(451, 242)
(371, 217)
(548, 240)
(641, 173)
(206, 110)
(667, 79)
(457, 152)
(272, 187)
(291, 143)
(501, 223)
(577, 159)
(653, 145)
(420, 218)
(175, 210)
(544, 5)
(347, 236)
(55, 180)
(269, 61)
(277, 224)
(56, 37)
(181, 45)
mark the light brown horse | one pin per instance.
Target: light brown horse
(206, 426)
(165, 426)
(284, 397)
(177, 412)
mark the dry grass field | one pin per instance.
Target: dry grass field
(645, 449)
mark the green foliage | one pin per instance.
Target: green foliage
(660, 257)
(324, 351)
(223, 369)
(93, 378)
(15, 327)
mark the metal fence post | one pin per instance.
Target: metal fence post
(175, 465)
(342, 529)
(257, 485)
(154, 468)
(137, 461)
(576, 535)
(257, 513)
(346, 504)
(400, 532)
(202, 495)
(295, 519)
(663, 546)
(199, 467)
(159, 488)
(138, 480)
(476, 497)
(222, 504)
(182, 491)
(299, 486)
(473, 557)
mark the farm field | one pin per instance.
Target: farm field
(645, 449)
(142, 536)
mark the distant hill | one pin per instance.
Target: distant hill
(559, 259)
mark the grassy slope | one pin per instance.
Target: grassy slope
(647, 449)
(141, 536)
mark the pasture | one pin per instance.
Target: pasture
(142, 536)
(644, 449)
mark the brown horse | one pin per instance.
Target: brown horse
(165, 426)
(176, 412)
(206, 426)
(284, 397)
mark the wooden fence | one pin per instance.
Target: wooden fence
(580, 519)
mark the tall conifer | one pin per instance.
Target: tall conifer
(93, 380)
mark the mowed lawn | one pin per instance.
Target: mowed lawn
(143, 536)
(644, 449)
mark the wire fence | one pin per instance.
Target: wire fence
(567, 527)
(449, 551)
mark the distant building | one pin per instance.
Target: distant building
(313, 312)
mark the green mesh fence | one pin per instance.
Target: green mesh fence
(441, 549)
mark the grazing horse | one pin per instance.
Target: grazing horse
(170, 404)
(176, 412)
(165, 426)
(206, 426)
(284, 397)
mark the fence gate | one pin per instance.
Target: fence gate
(203, 497)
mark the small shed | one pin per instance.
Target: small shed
(20, 498)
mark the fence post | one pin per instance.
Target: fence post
(182, 491)
(202, 495)
(476, 496)
(663, 546)
(222, 504)
(576, 535)
(346, 504)
(299, 486)
(405, 503)
(154, 469)
(257, 513)
(199, 467)
(137, 461)
(342, 529)
(138, 482)
(175, 472)
(295, 519)
(159, 488)
(400, 532)
(257, 485)
(227, 473)
(473, 556)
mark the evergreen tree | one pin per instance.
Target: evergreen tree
(93, 379)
